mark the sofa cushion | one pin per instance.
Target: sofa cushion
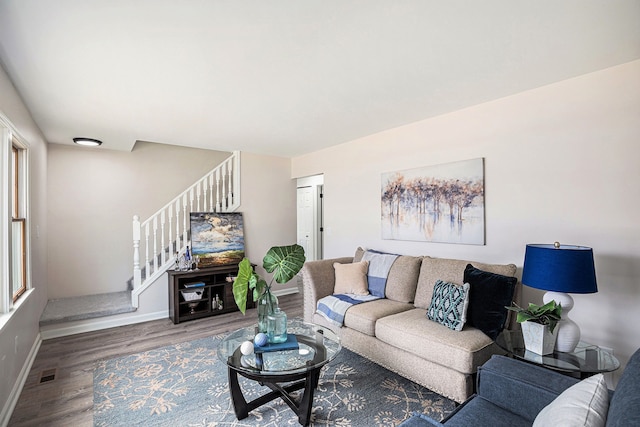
(583, 404)
(449, 270)
(351, 278)
(520, 387)
(449, 305)
(403, 278)
(363, 317)
(490, 293)
(481, 412)
(413, 332)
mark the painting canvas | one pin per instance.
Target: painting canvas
(217, 238)
(441, 203)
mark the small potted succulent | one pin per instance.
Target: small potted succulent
(539, 325)
(284, 262)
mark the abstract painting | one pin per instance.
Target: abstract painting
(441, 203)
(217, 238)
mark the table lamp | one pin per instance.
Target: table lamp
(561, 270)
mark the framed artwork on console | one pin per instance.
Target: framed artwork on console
(441, 203)
(217, 238)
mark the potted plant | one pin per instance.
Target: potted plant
(284, 262)
(539, 325)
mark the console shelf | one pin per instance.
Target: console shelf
(192, 293)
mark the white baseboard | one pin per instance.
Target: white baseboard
(97, 324)
(12, 401)
(287, 291)
(90, 325)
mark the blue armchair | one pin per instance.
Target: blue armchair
(512, 393)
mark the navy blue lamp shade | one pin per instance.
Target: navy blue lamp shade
(560, 268)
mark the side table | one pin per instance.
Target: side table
(584, 361)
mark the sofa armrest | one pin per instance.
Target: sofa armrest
(419, 420)
(520, 387)
(318, 281)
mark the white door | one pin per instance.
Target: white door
(308, 221)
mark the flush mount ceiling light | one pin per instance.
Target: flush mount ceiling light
(89, 142)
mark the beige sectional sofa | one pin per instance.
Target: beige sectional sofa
(395, 331)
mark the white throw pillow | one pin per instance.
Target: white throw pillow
(351, 278)
(583, 404)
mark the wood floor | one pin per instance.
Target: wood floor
(68, 399)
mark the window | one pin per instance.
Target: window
(14, 218)
(18, 225)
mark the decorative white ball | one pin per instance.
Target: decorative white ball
(260, 339)
(246, 348)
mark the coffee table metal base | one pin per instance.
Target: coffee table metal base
(306, 380)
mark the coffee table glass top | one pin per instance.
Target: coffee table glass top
(317, 346)
(586, 358)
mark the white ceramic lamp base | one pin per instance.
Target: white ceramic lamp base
(568, 330)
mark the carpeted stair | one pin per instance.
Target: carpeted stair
(86, 307)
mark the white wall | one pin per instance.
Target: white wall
(93, 196)
(561, 163)
(21, 326)
(269, 207)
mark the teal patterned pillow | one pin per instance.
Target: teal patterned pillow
(449, 304)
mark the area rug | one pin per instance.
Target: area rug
(186, 385)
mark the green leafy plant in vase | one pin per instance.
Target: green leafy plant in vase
(284, 262)
(539, 325)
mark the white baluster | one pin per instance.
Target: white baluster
(154, 253)
(229, 184)
(205, 190)
(198, 190)
(178, 244)
(218, 202)
(223, 188)
(137, 273)
(211, 198)
(171, 250)
(191, 199)
(185, 237)
(146, 251)
(163, 247)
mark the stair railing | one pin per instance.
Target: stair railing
(166, 233)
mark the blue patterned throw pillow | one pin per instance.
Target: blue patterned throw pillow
(449, 304)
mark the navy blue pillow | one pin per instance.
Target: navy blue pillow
(489, 294)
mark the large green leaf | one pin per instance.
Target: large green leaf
(241, 284)
(284, 262)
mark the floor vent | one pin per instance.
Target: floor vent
(48, 375)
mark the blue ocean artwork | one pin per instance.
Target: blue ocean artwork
(214, 233)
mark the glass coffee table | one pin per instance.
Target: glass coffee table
(584, 361)
(283, 371)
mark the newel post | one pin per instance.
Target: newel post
(137, 273)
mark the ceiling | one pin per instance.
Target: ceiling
(288, 77)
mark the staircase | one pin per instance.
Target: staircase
(165, 234)
(156, 241)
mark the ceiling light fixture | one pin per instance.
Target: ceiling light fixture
(89, 142)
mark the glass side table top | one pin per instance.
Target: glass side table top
(317, 346)
(585, 359)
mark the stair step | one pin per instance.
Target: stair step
(86, 307)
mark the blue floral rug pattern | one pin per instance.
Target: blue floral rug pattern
(186, 385)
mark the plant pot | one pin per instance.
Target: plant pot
(538, 339)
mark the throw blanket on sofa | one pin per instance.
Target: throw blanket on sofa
(334, 307)
(379, 266)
